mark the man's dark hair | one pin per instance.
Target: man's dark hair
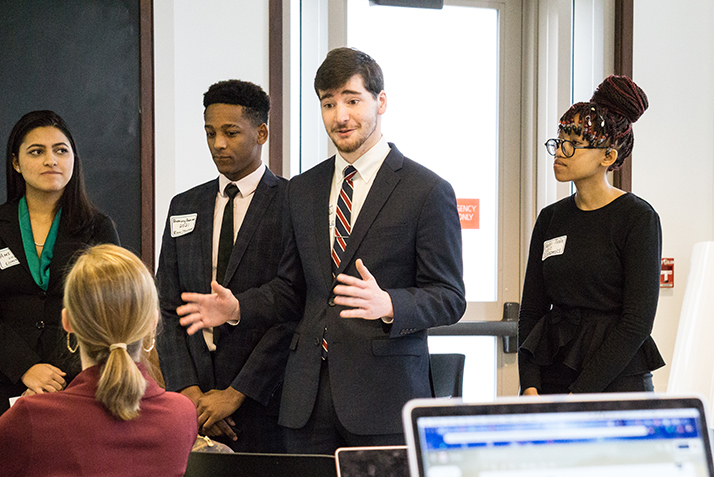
(254, 100)
(341, 64)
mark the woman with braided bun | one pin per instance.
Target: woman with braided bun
(112, 419)
(592, 280)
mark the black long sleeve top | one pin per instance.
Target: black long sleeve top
(591, 291)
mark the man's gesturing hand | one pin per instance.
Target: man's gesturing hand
(206, 310)
(364, 297)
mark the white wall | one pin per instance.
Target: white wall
(197, 44)
(673, 167)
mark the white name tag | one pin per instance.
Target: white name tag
(554, 246)
(182, 224)
(7, 259)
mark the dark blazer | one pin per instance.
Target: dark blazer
(70, 433)
(30, 328)
(250, 360)
(409, 236)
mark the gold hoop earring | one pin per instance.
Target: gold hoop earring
(69, 344)
(153, 342)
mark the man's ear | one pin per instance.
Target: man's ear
(65, 322)
(262, 134)
(382, 102)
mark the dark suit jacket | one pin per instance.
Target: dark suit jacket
(250, 360)
(409, 236)
(30, 328)
(70, 433)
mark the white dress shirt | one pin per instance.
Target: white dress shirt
(367, 166)
(241, 202)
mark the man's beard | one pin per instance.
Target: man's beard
(356, 143)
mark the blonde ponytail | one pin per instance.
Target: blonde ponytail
(121, 385)
(112, 305)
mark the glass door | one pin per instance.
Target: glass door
(452, 78)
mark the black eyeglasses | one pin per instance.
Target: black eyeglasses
(568, 147)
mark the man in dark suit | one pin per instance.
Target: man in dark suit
(374, 254)
(214, 234)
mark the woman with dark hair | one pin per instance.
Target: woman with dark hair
(592, 280)
(46, 220)
(113, 419)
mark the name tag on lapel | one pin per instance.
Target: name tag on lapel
(7, 259)
(182, 224)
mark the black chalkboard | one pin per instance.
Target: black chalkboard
(80, 58)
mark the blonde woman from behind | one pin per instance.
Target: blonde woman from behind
(113, 419)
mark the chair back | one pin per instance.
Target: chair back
(447, 374)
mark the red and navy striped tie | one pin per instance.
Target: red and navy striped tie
(343, 218)
(343, 228)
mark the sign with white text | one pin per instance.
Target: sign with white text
(468, 213)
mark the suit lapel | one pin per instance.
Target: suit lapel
(262, 197)
(65, 246)
(205, 209)
(319, 213)
(202, 244)
(384, 183)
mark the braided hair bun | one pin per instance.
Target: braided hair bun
(620, 95)
(607, 118)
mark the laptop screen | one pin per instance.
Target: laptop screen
(383, 461)
(652, 437)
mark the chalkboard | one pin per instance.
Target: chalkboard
(81, 59)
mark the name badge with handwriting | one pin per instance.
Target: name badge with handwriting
(555, 246)
(7, 259)
(182, 224)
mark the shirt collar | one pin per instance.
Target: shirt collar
(246, 185)
(367, 164)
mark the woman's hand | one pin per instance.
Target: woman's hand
(44, 378)
(530, 392)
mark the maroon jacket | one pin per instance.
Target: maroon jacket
(70, 433)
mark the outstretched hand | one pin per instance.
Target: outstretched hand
(206, 310)
(363, 296)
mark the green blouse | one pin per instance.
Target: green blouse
(39, 266)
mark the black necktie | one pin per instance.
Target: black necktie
(343, 229)
(225, 241)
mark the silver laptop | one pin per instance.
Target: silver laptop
(615, 435)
